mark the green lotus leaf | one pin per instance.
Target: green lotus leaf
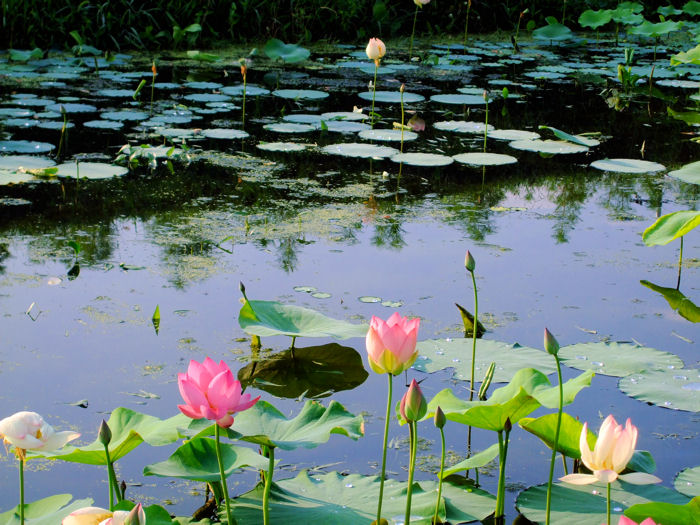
(673, 389)
(265, 318)
(553, 31)
(595, 19)
(689, 173)
(333, 499)
(586, 504)
(129, 430)
(692, 56)
(669, 10)
(692, 8)
(545, 428)
(197, 460)
(478, 460)
(263, 424)
(275, 49)
(671, 226)
(47, 511)
(155, 514)
(576, 139)
(659, 29)
(666, 513)
(676, 300)
(688, 482)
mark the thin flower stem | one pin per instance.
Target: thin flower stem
(486, 123)
(501, 474)
(563, 460)
(386, 435)
(245, 83)
(475, 325)
(402, 121)
(217, 435)
(442, 470)
(268, 484)
(608, 507)
(413, 430)
(374, 92)
(556, 442)
(680, 265)
(112, 488)
(410, 47)
(502, 468)
(21, 490)
(466, 27)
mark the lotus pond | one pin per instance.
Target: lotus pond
(123, 239)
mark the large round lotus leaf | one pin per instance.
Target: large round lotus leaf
(206, 97)
(382, 70)
(72, 108)
(392, 97)
(103, 124)
(544, 75)
(276, 49)
(8, 177)
(172, 119)
(24, 146)
(250, 90)
(300, 94)
(388, 135)
(179, 133)
(343, 115)
(484, 159)
(115, 93)
(423, 159)
(203, 85)
(90, 170)
(16, 112)
(688, 482)
(674, 389)
(513, 134)
(587, 504)
(462, 126)
(20, 123)
(15, 162)
(340, 126)
(282, 146)
(224, 134)
(58, 125)
(627, 166)
(290, 127)
(554, 31)
(124, 115)
(360, 150)
(552, 147)
(33, 102)
(334, 499)
(684, 84)
(438, 354)
(303, 118)
(617, 359)
(471, 100)
(689, 173)
(167, 86)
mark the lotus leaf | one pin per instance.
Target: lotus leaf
(671, 226)
(688, 482)
(674, 389)
(47, 511)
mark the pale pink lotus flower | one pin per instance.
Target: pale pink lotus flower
(375, 50)
(416, 123)
(87, 516)
(624, 520)
(29, 431)
(421, 3)
(211, 392)
(137, 516)
(391, 344)
(612, 452)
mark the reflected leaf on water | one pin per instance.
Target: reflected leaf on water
(316, 371)
(676, 300)
(73, 272)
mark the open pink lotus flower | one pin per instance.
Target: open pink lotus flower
(624, 520)
(391, 344)
(612, 452)
(100, 516)
(211, 392)
(29, 431)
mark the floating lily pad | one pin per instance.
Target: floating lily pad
(24, 146)
(484, 159)
(369, 299)
(289, 127)
(388, 135)
(23, 123)
(343, 115)
(72, 108)
(178, 133)
(684, 84)
(116, 93)
(513, 134)
(552, 147)
(627, 166)
(300, 94)
(203, 85)
(674, 389)
(359, 150)
(282, 146)
(470, 100)
(124, 115)
(423, 159)
(392, 97)
(16, 162)
(462, 126)
(439, 354)
(617, 359)
(689, 173)
(104, 124)
(587, 504)
(251, 90)
(334, 499)
(341, 126)
(206, 97)
(688, 482)
(55, 125)
(224, 134)
(303, 118)
(90, 170)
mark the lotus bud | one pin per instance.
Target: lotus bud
(153, 68)
(439, 418)
(402, 88)
(137, 516)
(104, 434)
(508, 426)
(413, 403)
(469, 262)
(550, 343)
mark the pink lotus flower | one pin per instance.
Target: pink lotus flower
(391, 344)
(375, 50)
(624, 520)
(612, 452)
(99, 516)
(29, 431)
(211, 392)
(421, 3)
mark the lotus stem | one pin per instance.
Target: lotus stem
(110, 478)
(217, 436)
(563, 460)
(442, 470)
(466, 26)
(413, 433)
(21, 488)
(501, 474)
(680, 265)
(402, 119)
(374, 92)
(474, 331)
(410, 46)
(556, 442)
(608, 505)
(268, 484)
(245, 86)
(386, 435)
(486, 120)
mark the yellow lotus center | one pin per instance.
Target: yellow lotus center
(38, 434)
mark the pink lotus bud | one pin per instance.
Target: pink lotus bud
(469, 262)
(550, 343)
(439, 418)
(375, 50)
(413, 404)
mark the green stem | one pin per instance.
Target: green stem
(608, 506)
(563, 460)
(402, 120)
(680, 265)
(502, 468)
(217, 435)
(474, 331)
(442, 470)
(413, 429)
(268, 484)
(486, 131)
(245, 84)
(501, 474)
(374, 92)
(556, 442)
(410, 47)
(386, 435)
(466, 27)
(110, 473)
(21, 490)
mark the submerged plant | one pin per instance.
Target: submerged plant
(375, 51)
